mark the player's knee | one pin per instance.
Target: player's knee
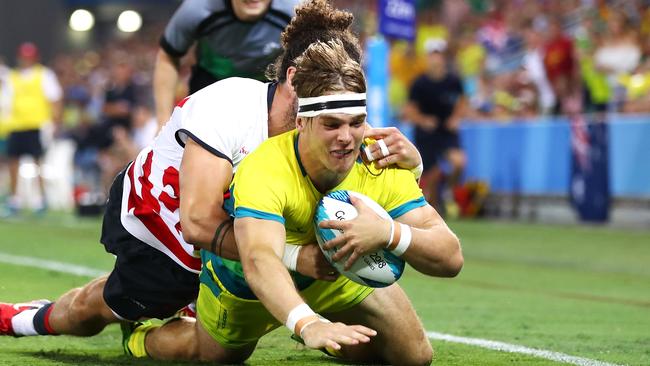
(421, 355)
(413, 351)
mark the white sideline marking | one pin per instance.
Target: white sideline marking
(484, 343)
(513, 348)
(51, 265)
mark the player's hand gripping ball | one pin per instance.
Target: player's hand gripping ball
(378, 269)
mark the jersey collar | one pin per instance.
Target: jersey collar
(295, 149)
(270, 94)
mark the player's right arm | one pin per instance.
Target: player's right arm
(204, 177)
(261, 244)
(179, 35)
(165, 78)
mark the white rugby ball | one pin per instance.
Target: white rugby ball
(378, 269)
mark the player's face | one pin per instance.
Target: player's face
(335, 140)
(250, 10)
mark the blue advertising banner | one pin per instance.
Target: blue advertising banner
(397, 18)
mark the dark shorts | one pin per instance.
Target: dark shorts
(434, 145)
(21, 143)
(145, 283)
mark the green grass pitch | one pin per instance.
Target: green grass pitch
(582, 291)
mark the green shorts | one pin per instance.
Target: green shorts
(235, 322)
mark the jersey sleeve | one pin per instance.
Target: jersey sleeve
(51, 86)
(259, 187)
(209, 127)
(404, 194)
(181, 31)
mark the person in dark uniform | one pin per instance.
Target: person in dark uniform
(233, 38)
(436, 104)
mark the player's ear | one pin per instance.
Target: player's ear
(291, 71)
(300, 123)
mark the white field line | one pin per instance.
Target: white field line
(513, 348)
(50, 265)
(483, 343)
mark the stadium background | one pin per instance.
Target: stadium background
(536, 274)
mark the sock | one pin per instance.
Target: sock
(42, 320)
(23, 323)
(33, 321)
(135, 343)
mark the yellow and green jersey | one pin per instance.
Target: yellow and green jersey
(271, 184)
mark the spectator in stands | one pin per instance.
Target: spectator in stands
(560, 64)
(596, 89)
(618, 54)
(637, 88)
(533, 64)
(234, 38)
(143, 130)
(119, 103)
(34, 100)
(436, 105)
(470, 61)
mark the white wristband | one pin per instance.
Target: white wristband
(290, 256)
(297, 314)
(417, 171)
(404, 240)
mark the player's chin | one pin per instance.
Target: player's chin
(346, 156)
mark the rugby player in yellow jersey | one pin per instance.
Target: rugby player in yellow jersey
(276, 190)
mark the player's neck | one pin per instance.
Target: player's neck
(282, 116)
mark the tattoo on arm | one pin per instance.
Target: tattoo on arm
(219, 236)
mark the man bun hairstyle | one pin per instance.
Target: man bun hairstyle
(315, 20)
(325, 68)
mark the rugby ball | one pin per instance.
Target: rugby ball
(378, 269)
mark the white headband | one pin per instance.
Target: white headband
(351, 103)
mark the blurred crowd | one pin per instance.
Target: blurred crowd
(520, 59)
(516, 59)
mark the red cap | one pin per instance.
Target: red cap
(28, 50)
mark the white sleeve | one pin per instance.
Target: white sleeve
(51, 86)
(5, 97)
(207, 125)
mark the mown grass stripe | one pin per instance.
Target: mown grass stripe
(514, 348)
(50, 265)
